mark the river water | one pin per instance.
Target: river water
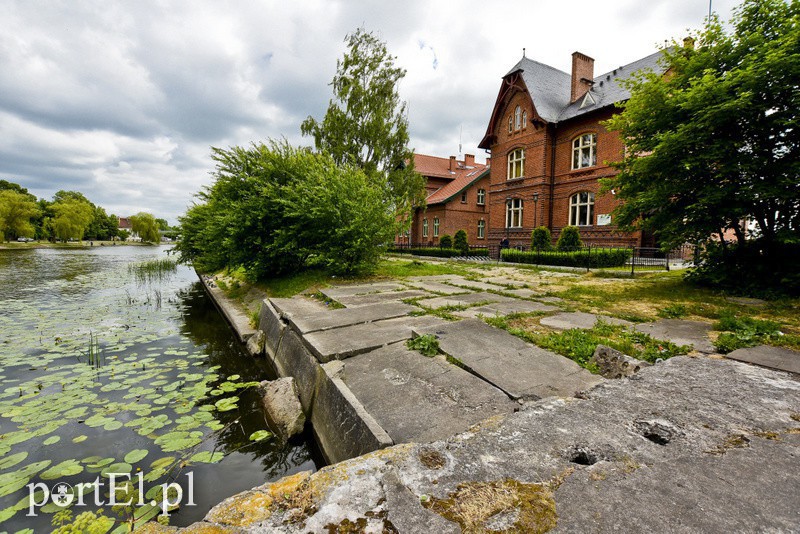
(102, 374)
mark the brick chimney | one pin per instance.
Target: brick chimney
(582, 75)
(453, 164)
(469, 160)
(488, 161)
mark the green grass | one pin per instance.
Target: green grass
(428, 345)
(403, 269)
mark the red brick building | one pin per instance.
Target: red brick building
(550, 149)
(457, 200)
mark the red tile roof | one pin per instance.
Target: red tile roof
(461, 176)
(462, 181)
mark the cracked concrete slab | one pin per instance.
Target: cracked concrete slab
(341, 317)
(341, 343)
(467, 299)
(438, 287)
(472, 284)
(418, 398)
(377, 298)
(569, 320)
(298, 306)
(779, 358)
(360, 289)
(506, 308)
(680, 332)
(522, 370)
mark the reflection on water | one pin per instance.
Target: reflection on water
(51, 302)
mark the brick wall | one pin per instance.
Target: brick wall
(454, 216)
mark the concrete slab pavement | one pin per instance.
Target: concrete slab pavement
(680, 332)
(779, 358)
(567, 321)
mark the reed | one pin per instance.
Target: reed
(153, 271)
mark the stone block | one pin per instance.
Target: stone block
(294, 359)
(255, 345)
(281, 402)
(680, 332)
(567, 321)
(271, 324)
(614, 364)
(779, 358)
(330, 319)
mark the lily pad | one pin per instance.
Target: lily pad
(135, 456)
(14, 459)
(227, 404)
(64, 469)
(207, 457)
(260, 435)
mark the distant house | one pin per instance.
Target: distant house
(457, 200)
(550, 150)
(124, 223)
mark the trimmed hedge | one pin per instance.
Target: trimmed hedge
(439, 252)
(601, 257)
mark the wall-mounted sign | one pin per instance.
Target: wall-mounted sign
(603, 219)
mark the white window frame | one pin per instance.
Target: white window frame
(436, 227)
(510, 123)
(517, 118)
(424, 227)
(581, 209)
(524, 119)
(516, 164)
(481, 197)
(514, 213)
(481, 229)
(584, 151)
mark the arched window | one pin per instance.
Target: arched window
(514, 213)
(516, 164)
(510, 123)
(581, 209)
(524, 119)
(517, 118)
(481, 229)
(584, 151)
(424, 227)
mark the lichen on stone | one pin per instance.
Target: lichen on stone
(480, 506)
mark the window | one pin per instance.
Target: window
(436, 227)
(464, 197)
(584, 151)
(581, 209)
(517, 118)
(424, 227)
(481, 197)
(481, 229)
(514, 213)
(524, 119)
(516, 164)
(510, 124)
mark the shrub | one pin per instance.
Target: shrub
(541, 239)
(590, 258)
(460, 242)
(428, 345)
(741, 332)
(445, 252)
(446, 241)
(569, 239)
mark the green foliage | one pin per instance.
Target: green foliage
(103, 226)
(541, 238)
(17, 209)
(446, 241)
(146, 226)
(569, 239)
(366, 124)
(438, 252)
(717, 140)
(71, 217)
(673, 311)
(460, 242)
(592, 258)
(741, 332)
(275, 209)
(427, 345)
(153, 271)
(84, 523)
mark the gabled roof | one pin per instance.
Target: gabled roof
(454, 188)
(550, 88)
(433, 166)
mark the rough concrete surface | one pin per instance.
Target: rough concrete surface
(280, 401)
(438, 287)
(362, 289)
(688, 445)
(779, 358)
(680, 332)
(520, 369)
(614, 364)
(376, 298)
(567, 321)
(418, 398)
(337, 318)
(466, 299)
(506, 308)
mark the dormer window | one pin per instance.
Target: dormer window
(584, 151)
(588, 100)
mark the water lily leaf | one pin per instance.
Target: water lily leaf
(225, 405)
(51, 440)
(16, 480)
(80, 439)
(233, 378)
(136, 455)
(112, 425)
(14, 459)
(119, 468)
(7, 514)
(260, 435)
(179, 440)
(64, 469)
(207, 457)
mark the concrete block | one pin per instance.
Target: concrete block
(271, 324)
(293, 359)
(376, 298)
(467, 299)
(361, 289)
(680, 332)
(779, 358)
(567, 321)
(341, 317)
(438, 287)
(506, 308)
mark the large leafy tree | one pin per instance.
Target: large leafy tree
(17, 210)
(71, 217)
(145, 225)
(716, 141)
(366, 122)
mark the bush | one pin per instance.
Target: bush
(741, 332)
(569, 239)
(443, 252)
(446, 241)
(460, 242)
(541, 239)
(592, 257)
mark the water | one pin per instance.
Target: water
(97, 370)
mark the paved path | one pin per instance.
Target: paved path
(779, 358)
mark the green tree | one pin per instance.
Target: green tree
(541, 238)
(146, 226)
(569, 239)
(162, 224)
(460, 242)
(71, 217)
(716, 141)
(103, 226)
(17, 210)
(446, 241)
(366, 123)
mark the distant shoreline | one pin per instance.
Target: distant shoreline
(15, 245)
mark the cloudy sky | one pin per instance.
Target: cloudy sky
(122, 100)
